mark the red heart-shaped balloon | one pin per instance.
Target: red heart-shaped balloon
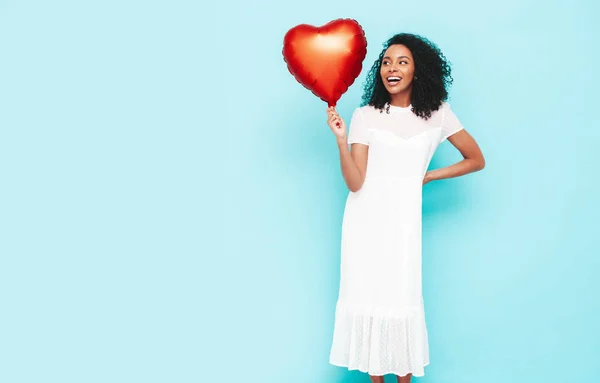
(327, 59)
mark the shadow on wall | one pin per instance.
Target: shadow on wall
(346, 376)
(443, 196)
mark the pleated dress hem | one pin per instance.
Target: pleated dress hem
(417, 373)
(380, 340)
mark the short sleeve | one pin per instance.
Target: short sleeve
(357, 131)
(450, 123)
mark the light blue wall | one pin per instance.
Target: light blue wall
(172, 200)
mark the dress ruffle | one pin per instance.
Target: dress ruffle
(380, 341)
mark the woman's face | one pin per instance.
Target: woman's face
(397, 69)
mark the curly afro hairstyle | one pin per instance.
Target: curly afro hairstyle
(431, 68)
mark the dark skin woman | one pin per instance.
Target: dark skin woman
(410, 71)
(424, 78)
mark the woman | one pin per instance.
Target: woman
(379, 319)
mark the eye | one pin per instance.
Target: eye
(403, 62)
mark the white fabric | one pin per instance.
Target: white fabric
(379, 318)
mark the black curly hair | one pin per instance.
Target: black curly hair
(431, 68)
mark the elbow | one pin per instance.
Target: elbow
(355, 188)
(480, 164)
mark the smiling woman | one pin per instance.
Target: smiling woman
(423, 72)
(394, 74)
(380, 318)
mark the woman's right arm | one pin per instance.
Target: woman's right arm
(353, 162)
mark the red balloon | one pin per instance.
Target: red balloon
(327, 59)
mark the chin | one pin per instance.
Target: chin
(395, 90)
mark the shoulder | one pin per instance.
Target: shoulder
(445, 106)
(366, 111)
(443, 112)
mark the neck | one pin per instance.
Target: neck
(401, 99)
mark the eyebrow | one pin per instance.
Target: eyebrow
(389, 58)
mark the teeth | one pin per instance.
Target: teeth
(393, 78)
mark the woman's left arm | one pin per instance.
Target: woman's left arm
(473, 158)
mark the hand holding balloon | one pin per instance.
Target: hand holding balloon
(336, 123)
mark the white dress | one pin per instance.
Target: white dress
(379, 316)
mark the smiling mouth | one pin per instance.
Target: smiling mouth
(393, 80)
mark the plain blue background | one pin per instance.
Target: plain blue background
(171, 198)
